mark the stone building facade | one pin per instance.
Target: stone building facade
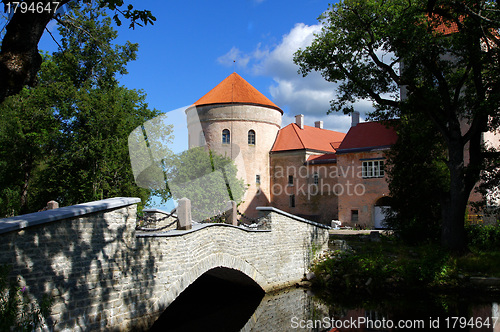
(236, 120)
(303, 176)
(361, 160)
(297, 168)
(318, 174)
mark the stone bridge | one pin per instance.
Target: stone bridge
(104, 274)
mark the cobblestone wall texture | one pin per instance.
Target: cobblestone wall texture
(101, 276)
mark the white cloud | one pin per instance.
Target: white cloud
(310, 95)
(234, 55)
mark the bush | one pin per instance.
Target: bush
(483, 237)
(17, 312)
(382, 267)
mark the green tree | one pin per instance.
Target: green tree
(374, 47)
(207, 179)
(20, 60)
(67, 137)
(28, 128)
(417, 177)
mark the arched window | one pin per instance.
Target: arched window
(226, 136)
(251, 137)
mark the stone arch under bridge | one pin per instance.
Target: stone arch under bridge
(102, 273)
(212, 265)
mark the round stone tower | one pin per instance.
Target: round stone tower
(235, 120)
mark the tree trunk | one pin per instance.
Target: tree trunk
(19, 57)
(24, 189)
(455, 202)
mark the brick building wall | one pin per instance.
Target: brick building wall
(313, 199)
(359, 195)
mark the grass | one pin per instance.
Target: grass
(480, 263)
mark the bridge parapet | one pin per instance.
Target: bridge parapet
(103, 274)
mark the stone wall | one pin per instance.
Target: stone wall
(250, 159)
(317, 202)
(103, 274)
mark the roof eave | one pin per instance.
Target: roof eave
(238, 103)
(364, 149)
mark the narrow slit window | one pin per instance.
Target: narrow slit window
(316, 178)
(226, 136)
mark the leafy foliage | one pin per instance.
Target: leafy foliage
(66, 139)
(372, 48)
(17, 312)
(418, 177)
(207, 179)
(19, 57)
(483, 237)
(385, 266)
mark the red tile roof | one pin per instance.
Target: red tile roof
(369, 135)
(235, 90)
(292, 137)
(441, 25)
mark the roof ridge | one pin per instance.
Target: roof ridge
(300, 139)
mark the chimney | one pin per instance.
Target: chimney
(318, 124)
(299, 121)
(354, 118)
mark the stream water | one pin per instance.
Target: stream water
(211, 304)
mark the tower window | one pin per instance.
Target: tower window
(226, 136)
(257, 179)
(290, 180)
(292, 200)
(251, 137)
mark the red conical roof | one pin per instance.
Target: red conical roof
(235, 90)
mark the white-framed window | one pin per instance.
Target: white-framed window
(251, 137)
(226, 136)
(316, 178)
(373, 169)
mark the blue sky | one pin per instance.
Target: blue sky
(192, 45)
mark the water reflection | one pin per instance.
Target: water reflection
(212, 304)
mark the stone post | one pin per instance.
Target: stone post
(52, 205)
(184, 214)
(232, 214)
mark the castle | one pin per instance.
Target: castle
(319, 174)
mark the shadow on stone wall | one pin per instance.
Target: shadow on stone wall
(92, 267)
